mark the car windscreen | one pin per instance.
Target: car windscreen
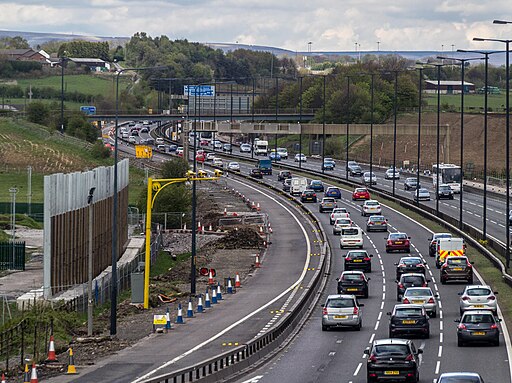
(391, 349)
(478, 292)
(409, 312)
(350, 231)
(340, 303)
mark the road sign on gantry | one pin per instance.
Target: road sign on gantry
(143, 151)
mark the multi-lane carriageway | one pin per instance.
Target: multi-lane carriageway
(337, 356)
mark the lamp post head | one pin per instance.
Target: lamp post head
(501, 22)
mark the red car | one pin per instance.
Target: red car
(360, 193)
(200, 157)
(398, 242)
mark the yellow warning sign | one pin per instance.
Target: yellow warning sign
(160, 319)
(143, 151)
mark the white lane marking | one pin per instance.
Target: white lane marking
(358, 368)
(377, 325)
(256, 379)
(440, 325)
(250, 315)
(372, 338)
(438, 365)
(380, 315)
(441, 336)
(382, 305)
(440, 352)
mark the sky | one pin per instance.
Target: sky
(330, 25)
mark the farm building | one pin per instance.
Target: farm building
(448, 87)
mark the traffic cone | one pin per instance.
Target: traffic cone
(261, 230)
(71, 363)
(230, 287)
(219, 293)
(168, 318)
(202, 229)
(207, 302)
(33, 375)
(257, 261)
(210, 228)
(210, 278)
(190, 310)
(26, 375)
(237, 281)
(200, 304)
(3, 378)
(179, 318)
(225, 211)
(214, 295)
(51, 351)
(258, 207)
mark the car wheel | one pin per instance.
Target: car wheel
(370, 270)
(427, 335)
(398, 298)
(324, 328)
(460, 343)
(470, 280)
(434, 314)
(443, 281)
(388, 251)
(366, 294)
(496, 343)
(358, 327)
(390, 335)
(408, 251)
(461, 312)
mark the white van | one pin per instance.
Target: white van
(351, 237)
(159, 141)
(298, 185)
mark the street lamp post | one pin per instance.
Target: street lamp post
(323, 125)
(62, 63)
(348, 127)
(395, 110)
(420, 88)
(90, 304)
(300, 122)
(372, 107)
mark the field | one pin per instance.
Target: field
(475, 102)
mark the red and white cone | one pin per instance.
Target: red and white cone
(258, 207)
(33, 375)
(237, 281)
(3, 378)
(210, 278)
(225, 211)
(257, 261)
(202, 229)
(51, 351)
(210, 228)
(261, 230)
(270, 230)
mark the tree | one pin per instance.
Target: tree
(16, 42)
(38, 112)
(175, 168)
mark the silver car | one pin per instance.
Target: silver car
(421, 195)
(454, 377)
(422, 296)
(342, 311)
(478, 297)
(369, 179)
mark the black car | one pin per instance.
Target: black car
(256, 173)
(478, 326)
(407, 320)
(286, 184)
(444, 191)
(308, 196)
(392, 360)
(409, 265)
(358, 260)
(409, 280)
(353, 282)
(411, 183)
(355, 170)
(284, 174)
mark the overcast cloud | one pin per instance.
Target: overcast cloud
(331, 25)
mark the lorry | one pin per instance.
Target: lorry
(265, 166)
(260, 147)
(298, 185)
(449, 246)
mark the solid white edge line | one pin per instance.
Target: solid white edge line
(248, 316)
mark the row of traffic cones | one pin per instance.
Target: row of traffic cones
(30, 375)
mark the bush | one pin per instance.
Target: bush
(99, 150)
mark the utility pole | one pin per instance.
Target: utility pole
(90, 304)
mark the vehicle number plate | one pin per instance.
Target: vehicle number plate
(352, 289)
(391, 372)
(358, 260)
(340, 317)
(419, 302)
(478, 333)
(478, 306)
(398, 242)
(457, 268)
(408, 321)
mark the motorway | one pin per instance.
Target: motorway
(337, 356)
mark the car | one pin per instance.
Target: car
(421, 194)
(283, 175)
(398, 242)
(217, 161)
(353, 282)
(150, 141)
(274, 156)
(283, 152)
(392, 360)
(317, 186)
(204, 143)
(410, 265)
(331, 160)
(351, 163)
(460, 377)
(444, 191)
(456, 268)
(376, 223)
(327, 166)
(134, 132)
(179, 151)
(217, 144)
(234, 166)
(308, 196)
(299, 157)
(327, 204)
(287, 183)
(132, 139)
(334, 192)
(392, 174)
(478, 297)
(245, 148)
(510, 218)
(256, 173)
(342, 310)
(411, 183)
(406, 320)
(355, 170)
(432, 246)
(421, 296)
(369, 178)
(339, 224)
(173, 148)
(358, 260)
(370, 207)
(351, 237)
(142, 141)
(478, 326)
(125, 134)
(338, 212)
(200, 157)
(409, 280)
(210, 156)
(227, 148)
(144, 130)
(360, 194)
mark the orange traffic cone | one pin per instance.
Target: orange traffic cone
(237, 281)
(71, 363)
(257, 261)
(3, 378)
(225, 212)
(51, 351)
(33, 375)
(210, 278)
(26, 375)
(258, 207)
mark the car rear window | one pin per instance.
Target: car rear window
(478, 318)
(351, 277)
(411, 261)
(478, 292)
(416, 280)
(360, 190)
(409, 312)
(377, 218)
(391, 349)
(418, 292)
(372, 203)
(460, 379)
(350, 231)
(456, 261)
(398, 236)
(343, 221)
(340, 303)
(357, 254)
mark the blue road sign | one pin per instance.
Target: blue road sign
(199, 90)
(89, 110)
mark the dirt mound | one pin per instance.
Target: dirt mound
(243, 238)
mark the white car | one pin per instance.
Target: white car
(159, 141)
(132, 139)
(283, 152)
(338, 212)
(210, 156)
(245, 148)
(234, 166)
(392, 174)
(369, 179)
(218, 162)
(217, 144)
(351, 237)
(478, 297)
(370, 207)
(339, 224)
(300, 158)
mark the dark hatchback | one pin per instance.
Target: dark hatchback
(409, 280)
(392, 360)
(308, 196)
(353, 282)
(358, 260)
(445, 191)
(284, 174)
(409, 265)
(456, 268)
(478, 326)
(406, 320)
(256, 173)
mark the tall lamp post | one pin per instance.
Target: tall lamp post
(420, 88)
(113, 290)
(62, 63)
(507, 133)
(300, 121)
(323, 125)
(372, 107)
(348, 127)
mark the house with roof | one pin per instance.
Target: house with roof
(23, 55)
(94, 64)
(448, 87)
